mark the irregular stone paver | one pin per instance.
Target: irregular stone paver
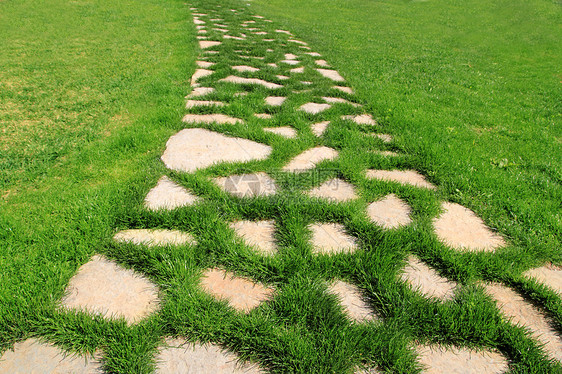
(410, 177)
(319, 128)
(242, 294)
(285, 131)
(275, 100)
(314, 54)
(390, 212)
(284, 32)
(282, 77)
(193, 149)
(240, 80)
(384, 137)
(456, 360)
(322, 63)
(199, 73)
(335, 190)
(200, 91)
(103, 287)
(331, 238)
(337, 100)
(243, 68)
(460, 228)
(521, 312)
(297, 70)
(196, 103)
(168, 195)
(204, 64)
(332, 74)
(426, 280)
(211, 118)
(364, 119)
(290, 56)
(248, 185)
(259, 234)
(33, 356)
(309, 158)
(263, 115)
(347, 90)
(180, 356)
(204, 44)
(154, 237)
(297, 41)
(314, 108)
(352, 301)
(290, 62)
(550, 275)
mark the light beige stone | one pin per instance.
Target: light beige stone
(283, 32)
(331, 238)
(319, 128)
(308, 83)
(322, 63)
(352, 301)
(282, 77)
(297, 41)
(103, 287)
(275, 100)
(193, 149)
(337, 100)
(202, 37)
(211, 118)
(309, 158)
(410, 177)
(242, 294)
(347, 90)
(199, 73)
(314, 108)
(154, 237)
(180, 356)
(363, 119)
(331, 74)
(385, 153)
(334, 190)
(390, 212)
(197, 103)
(204, 44)
(460, 228)
(261, 33)
(521, 312)
(384, 137)
(313, 54)
(426, 280)
(197, 21)
(273, 65)
(290, 56)
(290, 62)
(232, 37)
(258, 234)
(243, 68)
(263, 115)
(204, 64)
(550, 275)
(248, 185)
(297, 70)
(168, 195)
(200, 91)
(456, 360)
(285, 131)
(220, 30)
(240, 80)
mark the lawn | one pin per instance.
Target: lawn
(91, 90)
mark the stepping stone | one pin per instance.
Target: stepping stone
(384, 137)
(33, 356)
(364, 119)
(272, 65)
(242, 294)
(282, 77)
(168, 195)
(260, 17)
(199, 27)
(336, 100)
(390, 212)
(202, 37)
(103, 287)
(334, 190)
(204, 44)
(221, 30)
(202, 31)
(200, 73)
(248, 185)
(154, 237)
(550, 275)
(309, 158)
(198, 21)
(200, 91)
(297, 41)
(243, 68)
(211, 118)
(193, 149)
(232, 37)
(290, 56)
(352, 301)
(456, 360)
(297, 70)
(197, 103)
(283, 32)
(331, 238)
(319, 128)
(285, 131)
(332, 74)
(290, 62)
(347, 90)
(426, 280)
(259, 234)
(461, 228)
(263, 115)
(322, 63)
(275, 100)
(313, 54)
(410, 177)
(268, 40)
(385, 153)
(314, 108)
(261, 33)
(521, 312)
(240, 80)
(180, 356)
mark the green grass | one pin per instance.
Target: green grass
(469, 91)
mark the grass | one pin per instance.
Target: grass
(474, 110)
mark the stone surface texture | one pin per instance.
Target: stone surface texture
(309, 158)
(352, 301)
(275, 100)
(259, 234)
(331, 238)
(319, 128)
(211, 118)
(410, 177)
(168, 195)
(363, 119)
(390, 212)
(244, 68)
(332, 74)
(314, 108)
(248, 185)
(240, 80)
(154, 237)
(334, 190)
(426, 280)
(455, 360)
(550, 275)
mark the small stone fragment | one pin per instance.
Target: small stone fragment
(259, 234)
(285, 131)
(334, 190)
(550, 275)
(275, 100)
(426, 280)
(411, 177)
(240, 80)
(248, 185)
(309, 158)
(211, 118)
(390, 212)
(154, 237)
(319, 128)
(314, 108)
(331, 238)
(352, 301)
(455, 360)
(332, 74)
(168, 195)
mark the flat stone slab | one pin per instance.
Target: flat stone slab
(297, 70)
(384, 137)
(352, 301)
(523, 313)
(410, 177)
(347, 90)
(211, 118)
(33, 356)
(334, 190)
(204, 64)
(154, 237)
(310, 158)
(332, 74)
(338, 100)
(275, 100)
(290, 62)
(168, 195)
(244, 68)
(263, 115)
(331, 238)
(456, 360)
(319, 128)
(103, 287)
(313, 54)
(424, 279)
(390, 212)
(204, 44)
(240, 80)
(193, 149)
(285, 131)
(180, 356)
(314, 108)
(200, 91)
(322, 63)
(248, 185)
(242, 294)
(550, 275)
(200, 73)
(258, 234)
(290, 56)
(197, 103)
(282, 77)
(461, 228)
(363, 119)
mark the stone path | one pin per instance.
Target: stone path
(104, 287)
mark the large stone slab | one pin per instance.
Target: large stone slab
(390, 212)
(334, 190)
(103, 287)
(352, 301)
(410, 177)
(256, 81)
(259, 234)
(168, 195)
(550, 275)
(193, 149)
(331, 238)
(309, 158)
(461, 228)
(248, 185)
(154, 237)
(455, 360)
(426, 280)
